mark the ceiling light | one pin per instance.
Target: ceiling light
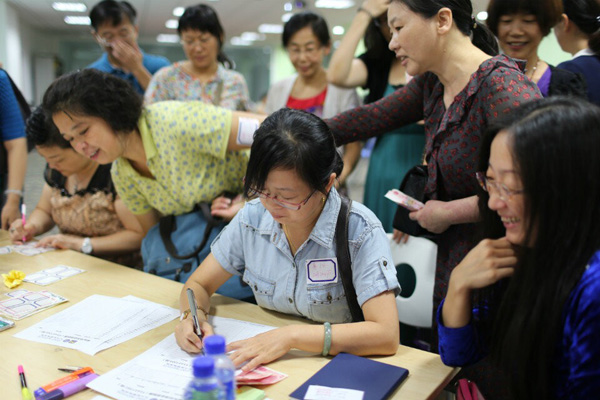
(338, 30)
(252, 36)
(288, 6)
(482, 16)
(286, 17)
(270, 28)
(238, 41)
(72, 7)
(167, 38)
(178, 11)
(336, 4)
(172, 24)
(77, 20)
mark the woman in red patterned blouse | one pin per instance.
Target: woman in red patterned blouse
(461, 87)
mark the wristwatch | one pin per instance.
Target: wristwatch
(86, 247)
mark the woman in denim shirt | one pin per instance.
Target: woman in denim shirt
(286, 235)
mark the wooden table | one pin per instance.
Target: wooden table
(428, 376)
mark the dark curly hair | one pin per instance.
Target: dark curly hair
(42, 132)
(95, 94)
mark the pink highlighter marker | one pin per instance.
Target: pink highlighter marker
(23, 209)
(68, 389)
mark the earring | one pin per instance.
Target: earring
(323, 200)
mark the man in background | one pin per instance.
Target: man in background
(114, 28)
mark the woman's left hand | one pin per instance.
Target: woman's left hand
(261, 349)
(434, 216)
(61, 241)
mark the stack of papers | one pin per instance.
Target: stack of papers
(163, 371)
(99, 322)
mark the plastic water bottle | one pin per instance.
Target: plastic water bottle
(205, 385)
(214, 346)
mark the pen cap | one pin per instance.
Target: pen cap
(214, 345)
(203, 367)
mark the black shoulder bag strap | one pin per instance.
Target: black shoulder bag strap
(168, 224)
(343, 258)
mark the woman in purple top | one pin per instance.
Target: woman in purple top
(520, 26)
(541, 325)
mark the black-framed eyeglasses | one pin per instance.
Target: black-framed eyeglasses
(286, 204)
(492, 187)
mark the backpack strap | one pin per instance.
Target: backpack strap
(168, 224)
(343, 258)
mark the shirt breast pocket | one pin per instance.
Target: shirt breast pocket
(327, 303)
(263, 289)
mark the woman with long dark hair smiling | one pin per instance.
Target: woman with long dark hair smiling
(540, 205)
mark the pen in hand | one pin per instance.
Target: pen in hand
(194, 312)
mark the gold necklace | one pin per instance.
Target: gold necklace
(287, 235)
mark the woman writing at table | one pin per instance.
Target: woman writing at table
(271, 241)
(80, 198)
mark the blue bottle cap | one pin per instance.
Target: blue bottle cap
(214, 345)
(203, 366)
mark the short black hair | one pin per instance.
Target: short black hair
(293, 140)
(204, 18)
(303, 19)
(113, 12)
(96, 94)
(42, 132)
(547, 12)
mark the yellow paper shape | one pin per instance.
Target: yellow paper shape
(13, 278)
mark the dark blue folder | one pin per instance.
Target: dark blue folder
(347, 371)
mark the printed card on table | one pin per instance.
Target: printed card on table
(51, 275)
(29, 249)
(23, 303)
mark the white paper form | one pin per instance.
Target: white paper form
(99, 322)
(163, 371)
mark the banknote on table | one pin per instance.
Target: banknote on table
(260, 376)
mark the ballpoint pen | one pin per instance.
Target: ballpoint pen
(25, 392)
(194, 312)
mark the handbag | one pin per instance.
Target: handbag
(175, 246)
(467, 390)
(343, 258)
(413, 185)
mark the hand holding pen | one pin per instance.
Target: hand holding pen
(189, 335)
